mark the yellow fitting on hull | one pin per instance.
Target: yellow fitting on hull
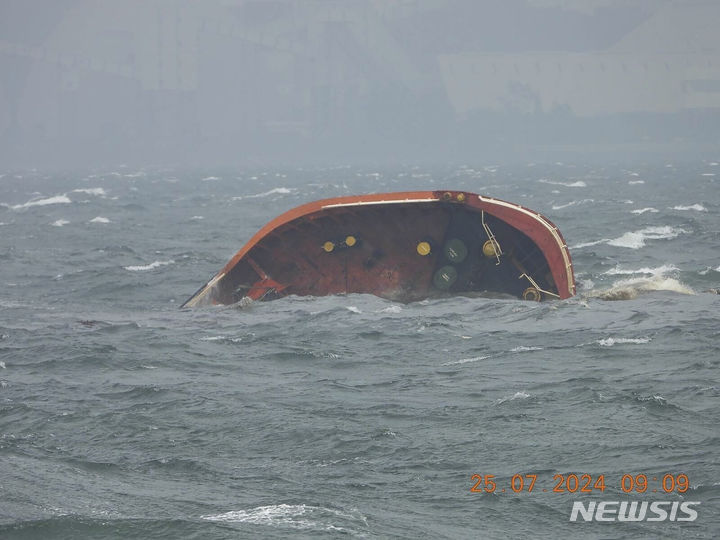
(532, 294)
(488, 249)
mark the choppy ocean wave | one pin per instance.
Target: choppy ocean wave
(297, 516)
(696, 207)
(572, 203)
(122, 416)
(56, 199)
(628, 289)
(274, 191)
(151, 266)
(637, 239)
(577, 183)
(98, 191)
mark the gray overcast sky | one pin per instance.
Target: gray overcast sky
(317, 81)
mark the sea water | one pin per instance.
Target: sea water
(122, 416)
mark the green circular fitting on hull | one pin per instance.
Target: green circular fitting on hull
(445, 277)
(455, 250)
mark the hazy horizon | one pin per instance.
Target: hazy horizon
(291, 82)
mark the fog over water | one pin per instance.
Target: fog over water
(306, 81)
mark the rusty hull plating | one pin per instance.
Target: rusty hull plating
(404, 246)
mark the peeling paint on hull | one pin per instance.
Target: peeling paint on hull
(404, 246)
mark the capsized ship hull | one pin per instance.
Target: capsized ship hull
(404, 246)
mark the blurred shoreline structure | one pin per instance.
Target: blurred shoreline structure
(252, 81)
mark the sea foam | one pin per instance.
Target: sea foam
(627, 289)
(637, 239)
(151, 266)
(99, 192)
(516, 395)
(465, 361)
(274, 191)
(298, 516)
(658, 271)
(579, 183)
(57, 199)
(610, 341)
(572, 203)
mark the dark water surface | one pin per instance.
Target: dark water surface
(122, 416)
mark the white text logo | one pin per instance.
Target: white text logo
(634, 511)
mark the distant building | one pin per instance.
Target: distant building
(242, 78)
(669, 64)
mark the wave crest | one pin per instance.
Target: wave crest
(627, 289)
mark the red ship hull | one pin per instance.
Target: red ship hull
(402, 246)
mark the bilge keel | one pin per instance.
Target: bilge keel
(404, 246)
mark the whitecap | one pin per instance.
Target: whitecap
(632, 182)
(660, 270)
(99, 219)
(636, 239)
(588, 244)
(610, 341)
(57, 199)
(100, 192)
(210, 178)
(465, 360)
(643, 210)
(197, 218)
(2, 365)
(516, 395)
(579, 183)
(152, 265)
(280, 191)
(300, 516)
(658, 399)
(221, 338)
(708, 174)
(627, 289)
(59, 223)
(523, 348)
(353, 309)
(572, 203)
(697, 207)
(391, 309)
